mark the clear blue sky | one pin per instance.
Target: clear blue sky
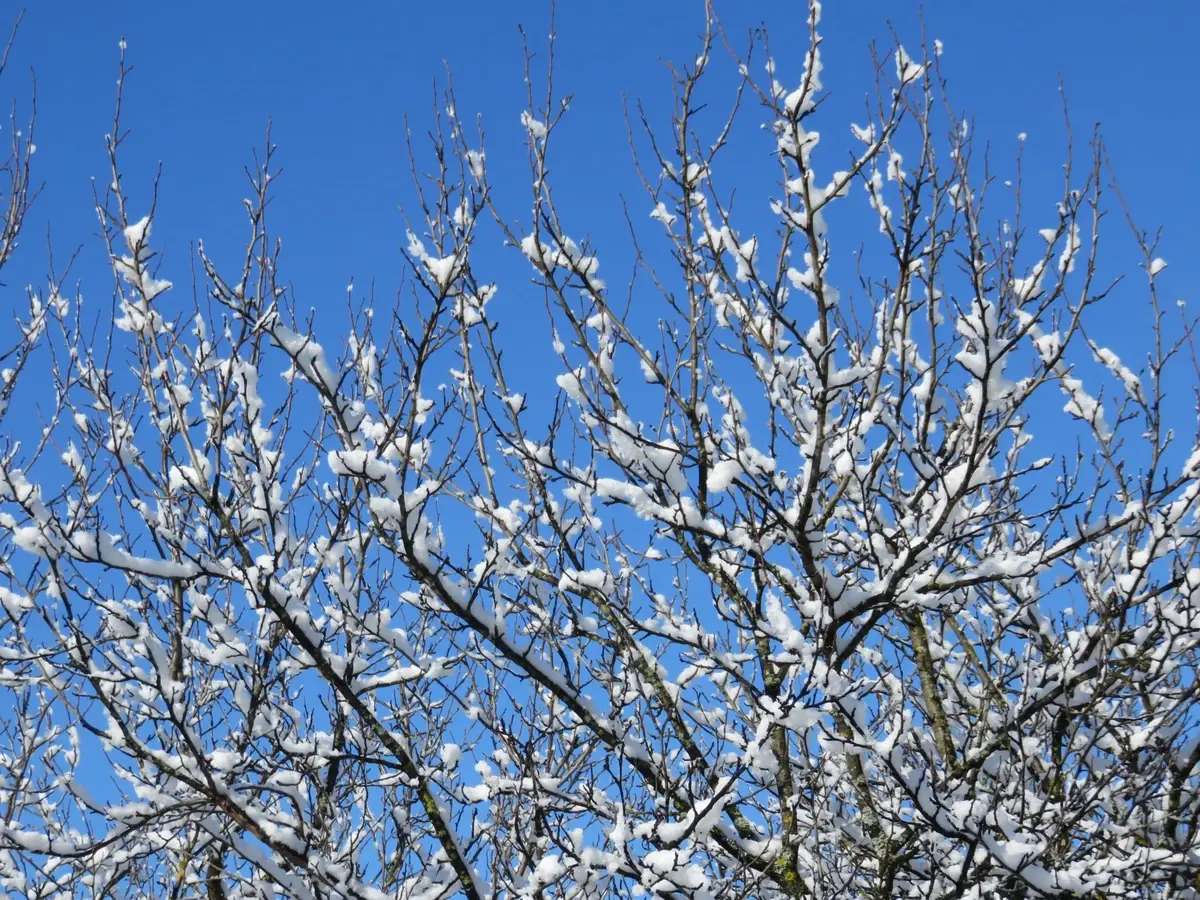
(338, 79)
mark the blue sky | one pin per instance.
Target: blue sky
(338, 81)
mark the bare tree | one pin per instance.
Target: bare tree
(795, 591)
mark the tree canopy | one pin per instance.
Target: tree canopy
(827, 563)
